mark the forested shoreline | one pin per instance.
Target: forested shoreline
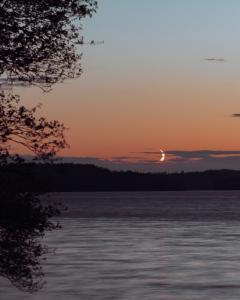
(66, 177)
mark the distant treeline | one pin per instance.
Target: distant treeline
(77, 177)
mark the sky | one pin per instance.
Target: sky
(151, 86)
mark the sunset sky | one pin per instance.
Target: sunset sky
(150, 87)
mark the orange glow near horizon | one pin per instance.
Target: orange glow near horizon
(136, 95)
(106, 123)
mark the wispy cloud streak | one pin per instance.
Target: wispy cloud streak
(214, 59)
(196, 153)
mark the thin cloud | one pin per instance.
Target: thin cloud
(119, 158)
(236, 115)
(196, 153)
(214, 59)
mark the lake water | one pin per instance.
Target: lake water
(148, 246)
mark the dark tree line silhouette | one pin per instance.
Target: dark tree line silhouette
(39, 43)
(65, 177)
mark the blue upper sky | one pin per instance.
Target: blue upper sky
(146, 27)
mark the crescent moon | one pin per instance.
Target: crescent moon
(163, 156)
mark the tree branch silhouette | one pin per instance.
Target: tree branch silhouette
(39, 47)
(39, 40)
(23, 217)
(20, 125)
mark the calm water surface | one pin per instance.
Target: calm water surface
(178, 246)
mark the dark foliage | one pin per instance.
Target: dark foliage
(38, 46)
(39, 40)
(20, 125)
(23, 217)
(23, 220)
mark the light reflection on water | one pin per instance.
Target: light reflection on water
(131, 258)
